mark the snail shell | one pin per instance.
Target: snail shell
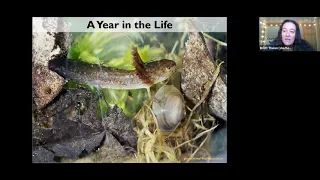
(168, 107)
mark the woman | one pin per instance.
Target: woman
(289, 39)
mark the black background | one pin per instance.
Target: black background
(273, 100)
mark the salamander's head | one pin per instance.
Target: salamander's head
(57, 65)
(161, 70)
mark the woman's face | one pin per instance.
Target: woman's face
(288, 33)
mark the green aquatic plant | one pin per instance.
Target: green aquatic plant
(100, 47)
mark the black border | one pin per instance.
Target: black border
(267, 101)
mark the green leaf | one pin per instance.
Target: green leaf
(135, 101)
(113, 96)
(102, 108)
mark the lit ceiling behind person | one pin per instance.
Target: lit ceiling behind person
(299, 20)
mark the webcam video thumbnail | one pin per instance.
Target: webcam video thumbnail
(289, 33)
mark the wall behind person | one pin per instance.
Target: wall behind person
(309, 34)
(271, 33)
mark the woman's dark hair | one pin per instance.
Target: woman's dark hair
(297, 39)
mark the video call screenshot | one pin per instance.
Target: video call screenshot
(155, 89)
(289, 33)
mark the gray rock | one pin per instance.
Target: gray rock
(121, 127)
(70, 128)
(40, 154)
(217, 101)
(72, 114)
(76, 147)
(198, 66)
(50, 38)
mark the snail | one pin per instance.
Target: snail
(168, 107)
